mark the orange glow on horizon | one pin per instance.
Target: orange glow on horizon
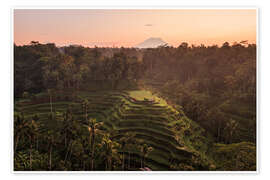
(107, 28)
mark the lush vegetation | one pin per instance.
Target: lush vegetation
(215, 86)
(184, 108)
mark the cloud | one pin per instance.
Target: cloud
(148, 25)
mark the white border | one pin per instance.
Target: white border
(12, 87)
(258, 160)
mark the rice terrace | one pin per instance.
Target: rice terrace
(148, 107)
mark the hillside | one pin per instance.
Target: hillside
(151, 119)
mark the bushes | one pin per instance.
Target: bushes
(22, 163)
(236, 157)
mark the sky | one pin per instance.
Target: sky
(107, 28)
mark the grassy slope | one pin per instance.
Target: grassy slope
(174, 137)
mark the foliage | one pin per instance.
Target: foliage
(213, 85)
(163, 108)
(236, 157)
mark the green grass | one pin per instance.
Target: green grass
(152, 122)
(142, 95)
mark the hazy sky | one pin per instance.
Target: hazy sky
(130, 27)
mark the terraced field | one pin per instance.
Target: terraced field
(154, 122)
(243, 115)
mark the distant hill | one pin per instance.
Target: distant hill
(151, 43)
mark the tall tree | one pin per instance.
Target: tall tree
(85, 106)
(93, 128)
(145, 150)
(32, 132)
(20, 128)
(109, 151)
(50, 92)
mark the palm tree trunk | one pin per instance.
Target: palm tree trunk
(231, 135)
(37, 143)
(67, 153)
(65, 138)
(141, 161)
(123, 163)
(70, 151)
(128, 160)
(85, 113)
(110, 164)
(51, 103)
(93, 151)
(218, 130)
(133, 164)
(50, 163)
(30, 154)
(16, 143)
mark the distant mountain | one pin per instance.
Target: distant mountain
(151, 43)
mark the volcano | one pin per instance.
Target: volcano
(151, 43)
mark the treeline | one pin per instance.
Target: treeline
(44, 66)
(216, 86)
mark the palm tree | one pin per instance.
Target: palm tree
(20, 128)
(85, 105)
(32, 132)
(67, 125)
(123, 142)
(145, 150)
(93, 128)
(36, 119)
(68, 131)
(50, 94)
(130, 140)
(110, 151)
(51, 138)
(231, 126)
